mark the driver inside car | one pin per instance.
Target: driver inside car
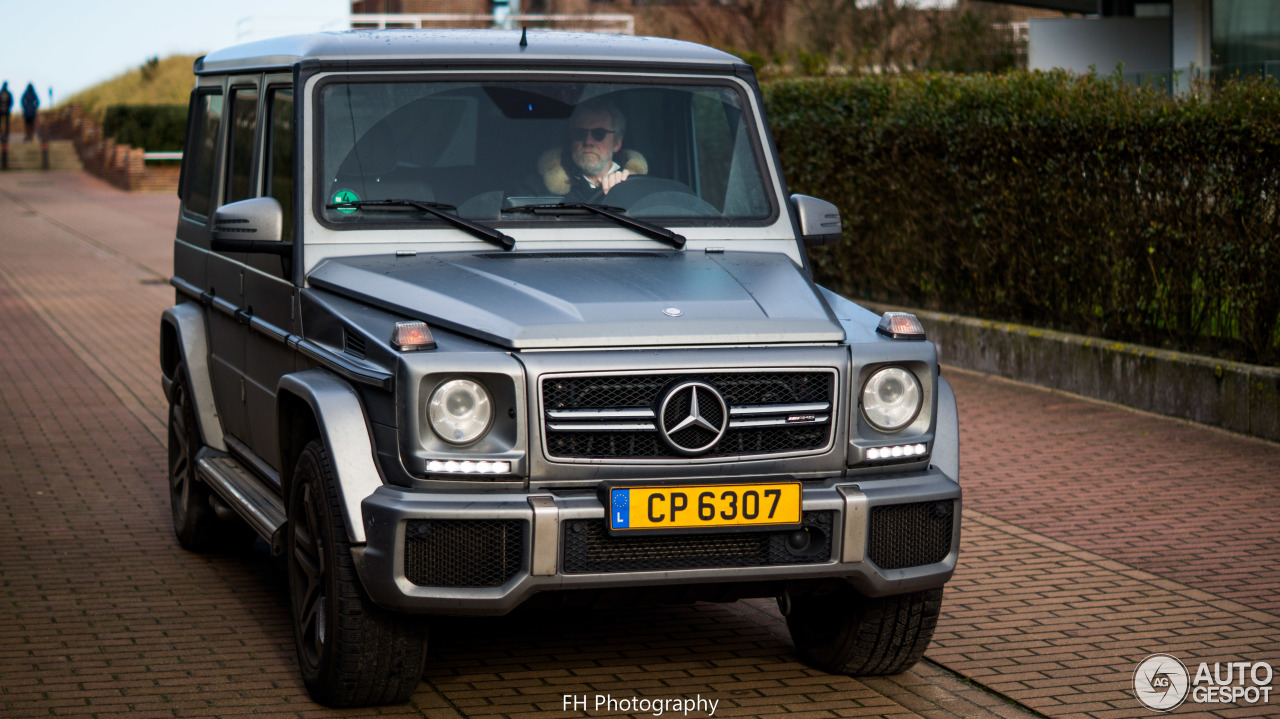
(593, 158)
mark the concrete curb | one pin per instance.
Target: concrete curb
(1240, 397)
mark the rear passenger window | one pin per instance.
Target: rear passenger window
(201, 152)
(244, 127)
(279, 174)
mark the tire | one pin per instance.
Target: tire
(843, 632)
(198, 527)
(351, 652)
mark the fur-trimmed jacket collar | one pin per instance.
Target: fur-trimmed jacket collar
(552, 163)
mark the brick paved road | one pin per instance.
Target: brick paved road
(1093, 536)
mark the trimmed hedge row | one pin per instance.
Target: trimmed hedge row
(157, 128)
(1071, 203)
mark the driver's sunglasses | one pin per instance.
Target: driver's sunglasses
(597, 133)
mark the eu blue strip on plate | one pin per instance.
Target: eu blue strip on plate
(620, 508)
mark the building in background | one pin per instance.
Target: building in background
(1170, 43)
(588, 15)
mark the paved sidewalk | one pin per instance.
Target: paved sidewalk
(1093, 536)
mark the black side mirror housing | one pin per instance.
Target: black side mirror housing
(819, 221)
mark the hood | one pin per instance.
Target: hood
(593, 299)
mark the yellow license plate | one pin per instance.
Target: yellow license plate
(704, 506)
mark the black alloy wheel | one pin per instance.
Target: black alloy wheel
(351, 652)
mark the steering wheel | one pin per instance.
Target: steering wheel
(647, 196)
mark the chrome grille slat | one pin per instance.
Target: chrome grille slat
(751, 410)
(777, 422)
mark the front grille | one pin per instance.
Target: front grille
(463, 553)
(589, 548)
(910, 535)
(771, 413)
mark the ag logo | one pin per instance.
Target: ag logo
(1160, 682)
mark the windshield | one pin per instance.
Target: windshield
(675, 153)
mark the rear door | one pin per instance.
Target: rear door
(229, 311)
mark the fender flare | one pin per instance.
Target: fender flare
(340, 419)
(186, 321)
(946, 438)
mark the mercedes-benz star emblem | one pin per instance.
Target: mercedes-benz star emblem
(692, 417)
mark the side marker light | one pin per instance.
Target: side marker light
(409, 336)
(901, 326)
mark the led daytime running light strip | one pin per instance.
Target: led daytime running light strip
(483, 466)
(904, 450)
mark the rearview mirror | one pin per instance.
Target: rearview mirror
(819, 220)
(253, 225)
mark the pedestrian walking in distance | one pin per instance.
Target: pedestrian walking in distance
(30, 105)
(6, 105)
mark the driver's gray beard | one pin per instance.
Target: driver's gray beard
(588, 169)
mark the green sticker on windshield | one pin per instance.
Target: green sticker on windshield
(342, 196)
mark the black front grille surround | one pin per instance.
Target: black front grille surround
(631, 395)
(463, 552)
(910, 535)
(590, 549)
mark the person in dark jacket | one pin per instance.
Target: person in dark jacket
(6, 105)
(30, 106)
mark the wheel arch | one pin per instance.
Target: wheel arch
(316, 404)
(183, 340)
(946, 438)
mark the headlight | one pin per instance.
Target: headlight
(891, 398)
(460, 411)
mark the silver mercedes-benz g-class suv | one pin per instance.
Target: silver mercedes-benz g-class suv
(470, 318)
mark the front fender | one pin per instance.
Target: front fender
(183, 337)
(946, 439)
(340, 420)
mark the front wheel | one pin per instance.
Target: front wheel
(351, 652)
(838, 630)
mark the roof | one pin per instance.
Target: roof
(427, 46)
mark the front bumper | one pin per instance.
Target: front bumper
(485, 554)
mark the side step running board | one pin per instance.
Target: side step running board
(249, 496)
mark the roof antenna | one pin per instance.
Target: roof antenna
(524, 36)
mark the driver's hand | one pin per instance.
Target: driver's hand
(613, 178)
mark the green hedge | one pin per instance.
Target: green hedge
(155, 128)
(1072, 203)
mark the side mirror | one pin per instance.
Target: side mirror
(819, 220)
(253, 225)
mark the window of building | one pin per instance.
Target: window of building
(1246, 36)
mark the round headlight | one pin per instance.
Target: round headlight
(891, 399)
(460, 411)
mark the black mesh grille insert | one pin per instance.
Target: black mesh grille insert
(739, 389)
(463, 553)
(588, 548)
(910, 535)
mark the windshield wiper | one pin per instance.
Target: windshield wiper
(674, 239)
(438, 209)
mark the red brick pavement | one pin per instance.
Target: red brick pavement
(1176, 499)
(1093, 536)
